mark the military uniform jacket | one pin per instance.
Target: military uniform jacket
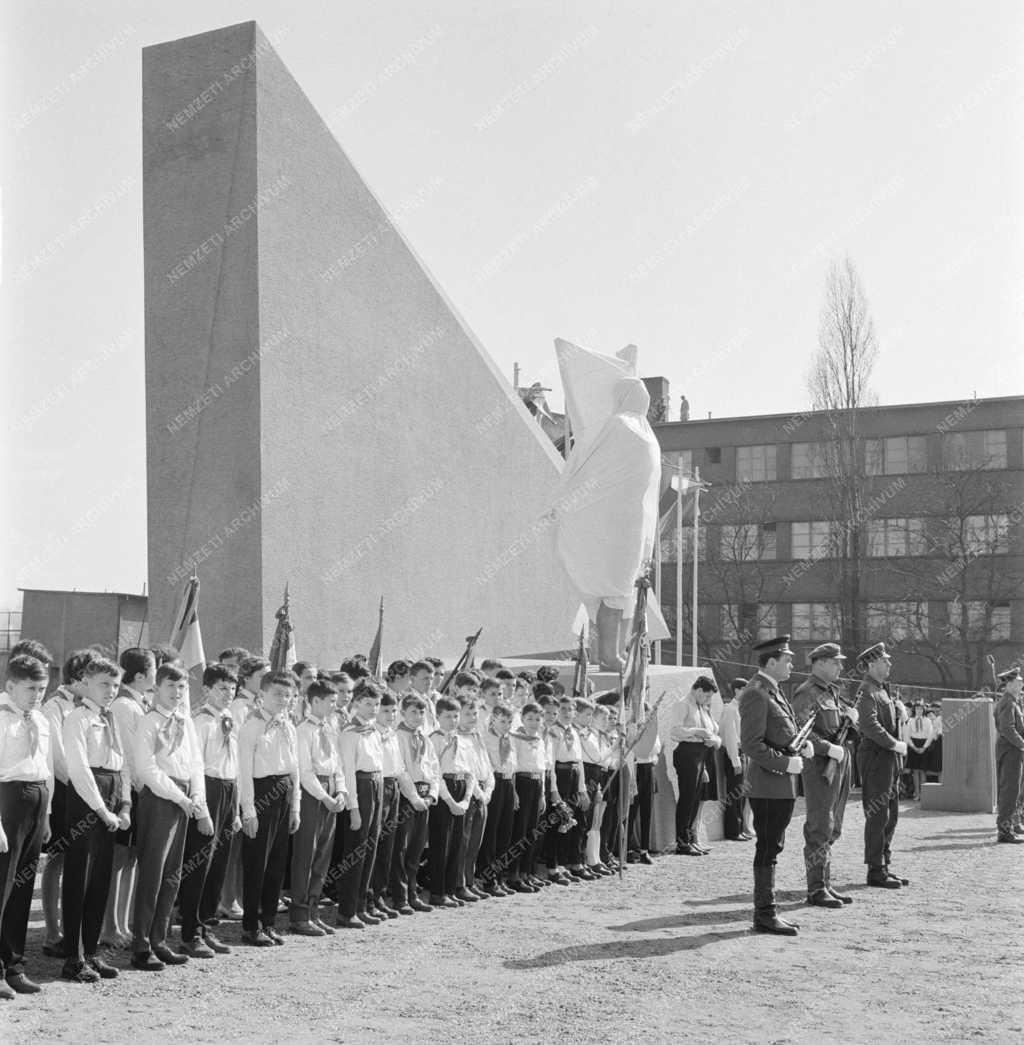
(821, 700)
(1009, 724)
(878, 720)
(767, 726)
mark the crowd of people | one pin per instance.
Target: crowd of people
(330, 798)
(336, 801)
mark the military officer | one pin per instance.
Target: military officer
(879, 759)
(767, 729)
(1009, 755)
(826, 777)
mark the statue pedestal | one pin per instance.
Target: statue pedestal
(968, 759)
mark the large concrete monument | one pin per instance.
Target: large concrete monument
(317, 412)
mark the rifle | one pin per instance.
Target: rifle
(840, 740)
(471, 641)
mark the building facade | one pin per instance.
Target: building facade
(897, 523)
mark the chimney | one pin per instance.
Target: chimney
(657, 389)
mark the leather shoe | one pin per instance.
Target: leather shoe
(21, 984)
(632, 858)
(688, 849)
(197, 948)
(6, 992)
(418, 905)
(275, 937)
(54, 950)
(348, 923)
(1018, 829)
(645, 858)
(841, 897)
(257, 939)
(405, 909)
(78, 972)
(104, 969)
(305, 929)
(600, 870)
(896, 877)
(368, 919)
(213, 941)
(823, 898)
(520, 886)
(169, 957)
(385, 909)
(465, 896)
(1012, 839)
(880, 880)
(146, 961)
(775, 926)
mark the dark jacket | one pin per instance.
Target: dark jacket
(767, 726)
(878, 721)
(1009, 724)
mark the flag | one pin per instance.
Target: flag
(579, 677)
(464, 663)
(638, 653)
(376, 663)
(186, 637)
(282, 649)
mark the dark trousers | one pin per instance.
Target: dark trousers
(732, 806)
(206, 859)
(826, 807)
(473, 827)
(88, 861)
(58, 843)
(359, 845)
(389, 809)
(23, 816)
(445, 831)
(160, 841)
(520, 858)
(410, 841)
(611, 825)
(1009, 766)
(312, 845)
(264, 857)
(567, 844)
(641, 808)
(771, 818)
(689, 760)
(497, 830)
(879, 780)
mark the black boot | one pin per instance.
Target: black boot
(878, 877)
(766, 919)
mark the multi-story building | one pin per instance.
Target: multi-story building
(901, 523)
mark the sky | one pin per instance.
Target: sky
(675, 175)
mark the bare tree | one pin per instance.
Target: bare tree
(839, 384)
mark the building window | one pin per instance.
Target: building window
(670, 543)
(810, 540)
(767, 621)
(807, 461)
(897, 620)
(965, 451)
(896, 456)
(748, 542)
(896, 537)
(683, 458)
(713, 454)
(814, 620)
(987, 534)
(755, 464)
(986, 622)
(748, 622)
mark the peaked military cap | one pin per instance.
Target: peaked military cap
(773, 647)
(738, 683)
(1009, 675)
(874, 652)
(826, 651)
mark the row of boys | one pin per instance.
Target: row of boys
(330, 781)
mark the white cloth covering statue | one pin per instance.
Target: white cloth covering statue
(606, 510)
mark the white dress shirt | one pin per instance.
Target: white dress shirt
(18, 760)
(167, 749)
(217, 734)
(128, 708)
(319, 757)
(56, 710)
(87, 746)
(266, 747)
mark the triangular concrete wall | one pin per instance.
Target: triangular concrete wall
(317, 412)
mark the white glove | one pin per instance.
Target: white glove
(901, 747)
(796, 765)
(807, 751)
(853, 715)
(836, 752)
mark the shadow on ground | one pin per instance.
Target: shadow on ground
(625, 949)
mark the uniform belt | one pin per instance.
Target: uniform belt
(100, 771)
(325, 781)
(504, 776)
(22, 783)
(566, 765)
(457, 776)
(368, 774)
(532, 776)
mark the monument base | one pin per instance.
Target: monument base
(968, 782)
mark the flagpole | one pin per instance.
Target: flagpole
(696, 565)
(657, 581)
(679, 563)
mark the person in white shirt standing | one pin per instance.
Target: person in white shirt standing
(734, 803)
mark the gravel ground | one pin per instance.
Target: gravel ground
(664, 955)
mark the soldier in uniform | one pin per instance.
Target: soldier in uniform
(767, 729)
(1009, 755)
(826, 777)
(879, 760)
